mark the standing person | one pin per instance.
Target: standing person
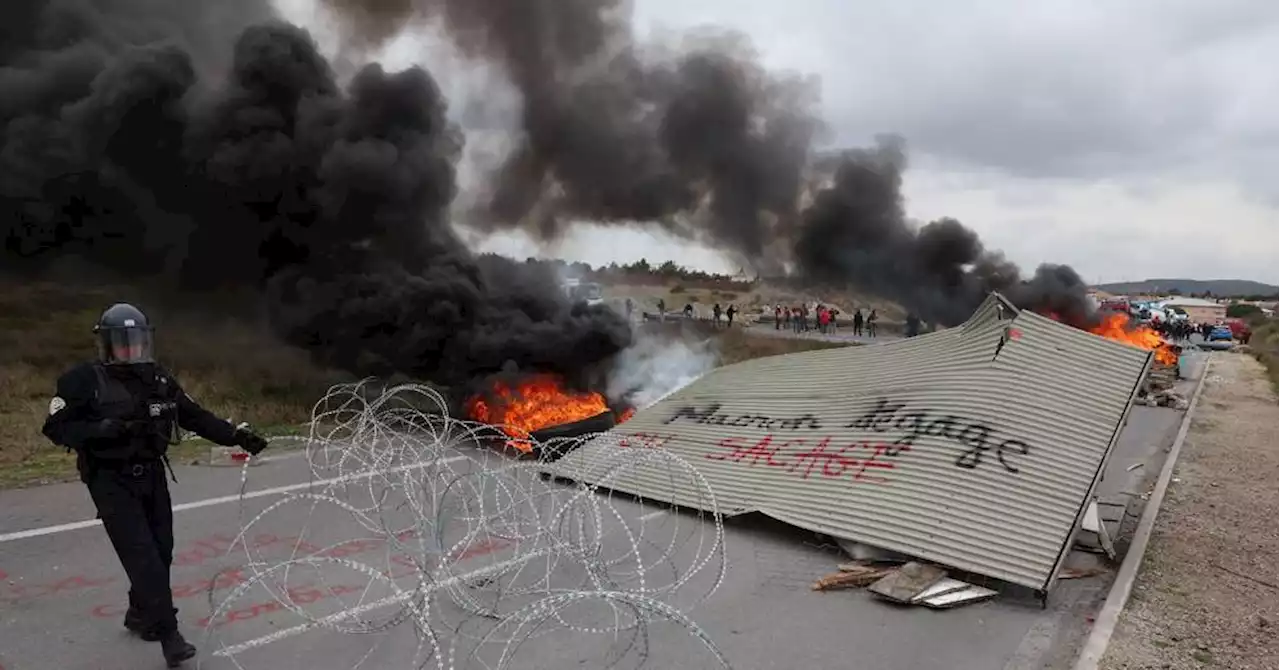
(871, 323)
(857, 322)
(715, 314)
(120, 414)
(730, 312)
(662, 309)
(913, 325)
(824, 319)
(630, 305)
(777, 317)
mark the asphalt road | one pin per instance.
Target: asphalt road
(62, 592)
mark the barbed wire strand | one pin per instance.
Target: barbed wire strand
(481, 552)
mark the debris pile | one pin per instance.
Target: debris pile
(912, 583)
(1158, 388)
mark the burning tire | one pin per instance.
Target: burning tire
(540, 409)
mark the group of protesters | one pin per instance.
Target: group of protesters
(822, 318)
(1181, 330)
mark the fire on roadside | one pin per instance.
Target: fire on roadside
(536, 402)
(1117, 326)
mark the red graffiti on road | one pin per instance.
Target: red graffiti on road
(199, 552)
(234, 577)
(298, 595)
(307, 595)
(17, 592)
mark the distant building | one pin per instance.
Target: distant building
(1199, 310)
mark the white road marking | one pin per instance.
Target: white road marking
(368, 607)
(221, 500)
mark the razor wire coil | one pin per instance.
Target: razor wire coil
(480, 553)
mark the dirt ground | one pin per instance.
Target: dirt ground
(1206, 593)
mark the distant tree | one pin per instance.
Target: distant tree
(1174, 291)
(1238, 310)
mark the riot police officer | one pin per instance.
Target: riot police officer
(120, 414)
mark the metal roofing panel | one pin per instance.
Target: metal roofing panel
(974, 447)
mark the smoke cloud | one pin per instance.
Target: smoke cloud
(700, 139)
(856, 232)
(117, 149)
(207, 145)
(656, 366)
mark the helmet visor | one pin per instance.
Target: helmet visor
(126, 345)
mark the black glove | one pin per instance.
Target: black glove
(250, 441)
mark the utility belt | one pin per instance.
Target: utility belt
(132, 468)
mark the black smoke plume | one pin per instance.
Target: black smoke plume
(149, 146)
(706, 143)
(856, 231)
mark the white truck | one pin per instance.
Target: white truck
(577, 290)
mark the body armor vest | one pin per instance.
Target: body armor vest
(113, 400)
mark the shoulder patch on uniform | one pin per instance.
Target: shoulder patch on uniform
(56, 405)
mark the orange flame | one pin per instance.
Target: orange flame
(626, 414)
(535, 403)
(1117, 327)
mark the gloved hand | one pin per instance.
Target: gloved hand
(250, 441)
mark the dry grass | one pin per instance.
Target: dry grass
(735, 345)
(1265, 346)
(233, 368)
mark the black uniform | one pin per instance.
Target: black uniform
(120, 418)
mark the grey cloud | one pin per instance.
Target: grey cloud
(1060, 89)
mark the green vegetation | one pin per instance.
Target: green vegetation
(1265, 346)
(1248, 312)
(230, 366)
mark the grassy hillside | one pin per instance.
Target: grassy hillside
(1218, 287)
(234, 369)
(230, 365)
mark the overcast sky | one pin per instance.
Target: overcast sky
(1129, 140)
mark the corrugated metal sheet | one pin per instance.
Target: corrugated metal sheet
(974, 447)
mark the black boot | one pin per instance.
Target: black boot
(133, 621)
(176, 649)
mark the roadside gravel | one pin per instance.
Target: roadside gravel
(1205, 596)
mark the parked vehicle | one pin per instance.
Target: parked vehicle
(1220, 333)
(1239, 329)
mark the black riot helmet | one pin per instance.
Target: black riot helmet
(124, 336)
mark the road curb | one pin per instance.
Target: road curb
(1104, 626)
